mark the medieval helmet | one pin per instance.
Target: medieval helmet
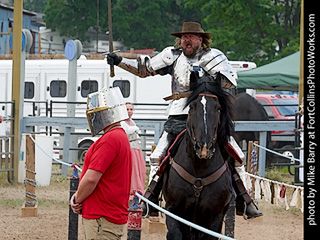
(104, 108)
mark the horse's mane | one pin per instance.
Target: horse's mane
(212, 85)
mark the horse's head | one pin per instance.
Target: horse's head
(202, 124)
(208, 107)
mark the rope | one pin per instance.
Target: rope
(190, 224)
(57, 160)
(33, 183)
(276, 182)
(272, 181)
(253, 167)
(279, 154)
(209, 232)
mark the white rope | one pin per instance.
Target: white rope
(57, 160)
(209, 232)
(212, 233)
(190, 224)
(265, 179)
(276, 182)
(291, 158)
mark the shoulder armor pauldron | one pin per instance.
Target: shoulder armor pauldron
(164, 58)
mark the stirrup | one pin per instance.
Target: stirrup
(148, 210)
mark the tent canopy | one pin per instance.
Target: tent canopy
(279, 75)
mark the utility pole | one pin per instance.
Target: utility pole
(16, 78)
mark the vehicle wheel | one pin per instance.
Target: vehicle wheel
(83, 152)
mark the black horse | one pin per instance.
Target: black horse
(197, 185)
(247, 108)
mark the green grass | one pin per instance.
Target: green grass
(280, 174)
(43, 203)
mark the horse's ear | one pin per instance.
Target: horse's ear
(194, 76)
(218, 78)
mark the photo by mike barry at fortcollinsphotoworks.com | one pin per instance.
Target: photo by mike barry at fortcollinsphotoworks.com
(310, 163)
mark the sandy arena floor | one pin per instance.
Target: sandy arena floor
(52, 219)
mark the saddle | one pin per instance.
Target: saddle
(172, 150)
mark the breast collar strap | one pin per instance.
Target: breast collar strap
(199, 183)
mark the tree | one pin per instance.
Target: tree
(73, 18)
(138, 23)
(256, 30)
(148, 23)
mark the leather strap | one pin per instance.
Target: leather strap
(208, 95)
(177, 96)
(242, 190)
(196, 181)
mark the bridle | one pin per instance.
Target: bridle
(191, 132)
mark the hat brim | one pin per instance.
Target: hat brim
(203, 34)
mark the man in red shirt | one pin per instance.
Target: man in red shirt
(104, 187)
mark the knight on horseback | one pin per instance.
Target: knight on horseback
(191, 53)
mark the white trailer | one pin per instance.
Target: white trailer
(47, 80)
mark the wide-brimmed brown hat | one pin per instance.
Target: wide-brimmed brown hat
(191, 28)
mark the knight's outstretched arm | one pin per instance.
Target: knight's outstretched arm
(138, 67)
(145, 66)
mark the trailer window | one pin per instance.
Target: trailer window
(58, 88)
(88, 86)
(28, 90)
(124, 86)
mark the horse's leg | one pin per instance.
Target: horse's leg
(174, 232)
(216, 227)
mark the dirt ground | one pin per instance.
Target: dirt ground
(52, 220)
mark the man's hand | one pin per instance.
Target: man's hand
(113, 59)
(76, 207)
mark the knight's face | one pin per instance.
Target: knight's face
(190, 43)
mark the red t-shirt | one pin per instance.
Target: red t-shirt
(111, 155)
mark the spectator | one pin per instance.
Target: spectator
(138, 178)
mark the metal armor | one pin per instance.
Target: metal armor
(174, 62)
(210, 61)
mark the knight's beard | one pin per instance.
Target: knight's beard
(190, 53)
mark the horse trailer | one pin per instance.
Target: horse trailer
(46, 82)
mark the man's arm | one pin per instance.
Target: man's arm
(87, 185)
(135, 66)
(145, 66)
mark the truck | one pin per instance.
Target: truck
(280, 107)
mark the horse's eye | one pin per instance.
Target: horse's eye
(219, 110)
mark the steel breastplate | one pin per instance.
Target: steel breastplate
(181, 73)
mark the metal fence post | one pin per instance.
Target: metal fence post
(73, 217)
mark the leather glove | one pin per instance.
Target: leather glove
(113, 59)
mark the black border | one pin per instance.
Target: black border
(311, 122)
